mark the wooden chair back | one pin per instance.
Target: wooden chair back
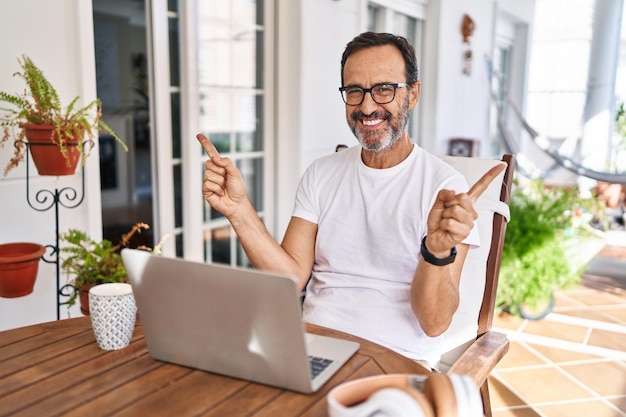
(485, 318)
(479, 280)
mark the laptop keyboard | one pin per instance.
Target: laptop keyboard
(318, 365)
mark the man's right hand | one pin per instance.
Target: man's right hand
(222, 186)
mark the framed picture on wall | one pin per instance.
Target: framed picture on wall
(462, 147)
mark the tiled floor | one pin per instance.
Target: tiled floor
(571, 363)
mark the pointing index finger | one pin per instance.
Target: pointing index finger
(208, 146)
(481, 185)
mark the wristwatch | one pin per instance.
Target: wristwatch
(432, 259)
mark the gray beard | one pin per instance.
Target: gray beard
(389, 138)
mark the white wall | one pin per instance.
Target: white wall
(311, 117)
(321, 74)
(58, 38)
(463, 106)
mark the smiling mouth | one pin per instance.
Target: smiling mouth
(372, 122)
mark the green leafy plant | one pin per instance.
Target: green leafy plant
(92, 262)
(534, 258)
(39, 104)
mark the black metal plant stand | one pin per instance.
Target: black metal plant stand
(44, 201)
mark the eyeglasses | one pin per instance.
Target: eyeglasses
(381, 93)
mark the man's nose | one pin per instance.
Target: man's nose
(368, 103)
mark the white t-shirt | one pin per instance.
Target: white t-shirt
(370, 227)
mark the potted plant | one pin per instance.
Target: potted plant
(19, 264)
(537, 255)
(92, 262)
(38, 117)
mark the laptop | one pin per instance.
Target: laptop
(238, 322)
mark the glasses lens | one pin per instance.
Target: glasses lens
(383, 93)
(353, 95)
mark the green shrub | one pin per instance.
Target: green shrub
(92, 262)
(534, 259)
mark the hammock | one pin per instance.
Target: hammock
(524, 165)
(544, 144)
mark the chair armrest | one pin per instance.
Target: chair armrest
(481, 357)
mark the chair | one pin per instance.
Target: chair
(472, 348)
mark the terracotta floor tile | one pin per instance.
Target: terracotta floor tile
(501, 396)
(596, 298)
(589, 314)
(507, 321)
(517, 412)
(560, 331)
(553, 392)
(619, 402)
(619, 314)
(560, 355)
(579, 288)
(563, 300)
(596, 408)
(613, 251)
(605, 378)
(518, 356)
(540, 385)
(609, 340)
(620, 294)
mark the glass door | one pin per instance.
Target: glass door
(163, 23)
(501, 67)
(126, 179)
(232, 101)
(203, 66)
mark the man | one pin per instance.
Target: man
(382, 229)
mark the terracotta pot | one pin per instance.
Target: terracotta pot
(19, 263)
(83, 298)
(47, 156)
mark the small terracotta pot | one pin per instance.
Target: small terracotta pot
(47, 156)
(83, 298)
(19, 264)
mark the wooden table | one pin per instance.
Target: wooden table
(57, 368)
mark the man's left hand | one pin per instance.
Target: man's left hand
(453, 215)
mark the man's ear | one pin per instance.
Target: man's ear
(415, 90)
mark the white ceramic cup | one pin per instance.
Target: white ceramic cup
(113, 314)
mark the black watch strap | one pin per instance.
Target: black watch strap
(432, 259)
